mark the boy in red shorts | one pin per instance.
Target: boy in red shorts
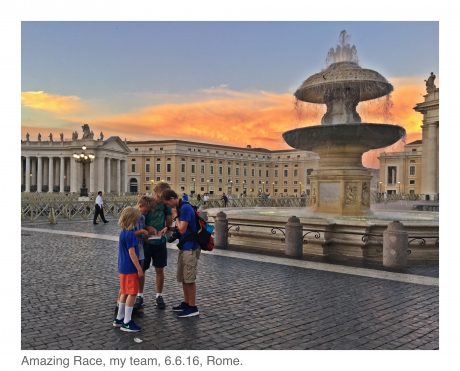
(129, 269)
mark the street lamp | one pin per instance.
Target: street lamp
(300, 183)
(207, 186)
(231, 186)
(84, 158)
(244, 187)
(194, 186)
(273, 189)
(399, 187)
(263, 187)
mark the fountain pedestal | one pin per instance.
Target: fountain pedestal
(341, 185)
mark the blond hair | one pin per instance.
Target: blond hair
(129, 217)
(160, 187)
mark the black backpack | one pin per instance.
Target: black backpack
(203, 236)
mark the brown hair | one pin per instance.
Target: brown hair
(144, 201)
(168, 194)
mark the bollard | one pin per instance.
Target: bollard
(221, 231)
(294, 241)
(52, 216)
(395, 244)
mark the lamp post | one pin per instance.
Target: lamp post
(231, 186)
(84, 158)
(207, 186)
(399, 187)
(300, 183)
(380, 187)
(194, 186)
(244, 187)
(273, 189)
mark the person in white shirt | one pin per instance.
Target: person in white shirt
(98, 208)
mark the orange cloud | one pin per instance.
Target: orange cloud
(224, 116)
(57, 104)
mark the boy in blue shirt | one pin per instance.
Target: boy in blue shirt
(189, 253)
(129, 269)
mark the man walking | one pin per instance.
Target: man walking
(187, 262)
(98, 208)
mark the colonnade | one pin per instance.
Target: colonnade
(64, 174)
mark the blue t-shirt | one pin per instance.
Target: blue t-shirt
(187, 214)
(127, 240)
(140, 225)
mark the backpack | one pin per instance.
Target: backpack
(203, 236)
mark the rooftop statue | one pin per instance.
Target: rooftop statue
(430, 86)
(61, 136)
(101, 136)
(39, 137)
(51, 137)
(27, 137)
(87, 133)
(74, 135)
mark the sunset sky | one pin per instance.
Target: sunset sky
(228, 83)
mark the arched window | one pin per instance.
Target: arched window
(133, 185)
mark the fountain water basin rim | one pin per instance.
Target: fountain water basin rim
(365, 135)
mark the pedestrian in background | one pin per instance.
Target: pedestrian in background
(99, 208)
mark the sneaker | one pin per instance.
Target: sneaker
(139, 304)
(180, 307)
(160, 302)
(117, 322)
(189, 312)
(130, 327)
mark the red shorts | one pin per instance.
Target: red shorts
(129, 284)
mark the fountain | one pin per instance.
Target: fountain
(341, 185)
(340, 223)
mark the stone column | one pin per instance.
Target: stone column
(430, 160)
(50, 174)
(27, 175)
(39, 173)
(221, 231)
(118, 177)
(100, 168)
(395, 244)
(22, 173)
(294, 241)
(92, 177)
(109, 175)
(125, 176)
(73, 176)
(61, 174)
(33, 171)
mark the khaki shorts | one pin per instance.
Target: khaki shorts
(187, 263)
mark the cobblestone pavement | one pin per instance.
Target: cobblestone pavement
(69, 286)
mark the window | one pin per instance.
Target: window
(133, 168)
(193, 169)
(168, 168)
(237, 171)
(182, 168)
(411, 170)
(211, 170)
(147, 179)
(245, 172)
(285, 173)
(411, 191)
(158, 168)
(182, 179)
(253, 172)
(276, 173)
(296, 172)
(168, 179)
(266, 173)
(147, 168)
(220, 170)
(412, 181)
(202, 169)
(229, 171)
(260, 172)
(309, 171)
(391, 175)
(158, 178)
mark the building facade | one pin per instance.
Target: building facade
(198, 168)
(416, 169)
(50, 166)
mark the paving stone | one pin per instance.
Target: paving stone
(244, 304)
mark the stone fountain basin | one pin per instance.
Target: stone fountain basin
(367, 136)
